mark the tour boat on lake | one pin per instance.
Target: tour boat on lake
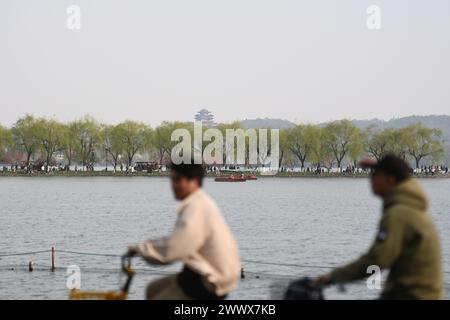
(230, 178)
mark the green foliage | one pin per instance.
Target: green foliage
(69, 141)
(49, 134)
(342, 138)
(86, 141)
(112, 144)
(303, 141)
(6, 140)
(161, 137)
(132, 137)
(421, 142)
(25, 136)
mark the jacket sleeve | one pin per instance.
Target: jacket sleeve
(383, 252)
(187, 238)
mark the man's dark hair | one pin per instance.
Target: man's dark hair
(393, 166)
(189, 170)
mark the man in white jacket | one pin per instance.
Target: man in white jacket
(201, 240)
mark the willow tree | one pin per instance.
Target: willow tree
(422, 142)
(321, 153)
(302, 140)
(112, 143)
(49, 134)
(69, 142)
(161, 137)
(86, 132)
(340, 137)
(284, 146)
(397, 143)
(377, 143)
(5, 140)
(357, 148)
(133, 137)
(387, 141)
(24, 136)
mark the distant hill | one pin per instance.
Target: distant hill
(441, 122)
(267, 123)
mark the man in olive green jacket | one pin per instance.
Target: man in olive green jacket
(406, 243)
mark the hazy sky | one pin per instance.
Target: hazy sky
(306, 61)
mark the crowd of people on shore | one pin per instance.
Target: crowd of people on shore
(353, 170)
(35, 167)
(32, 168)
(432, 170)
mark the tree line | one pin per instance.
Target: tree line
(338, 141)
(86, 141)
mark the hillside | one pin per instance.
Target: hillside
(441, 122)
(266, 123)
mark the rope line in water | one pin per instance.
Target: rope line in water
(261, 275)
(90, 253)
(111, 255)
(23, 253)
(148, 271)
(288, 264)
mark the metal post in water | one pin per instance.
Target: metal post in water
(53, 258)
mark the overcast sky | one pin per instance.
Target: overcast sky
(305, 61)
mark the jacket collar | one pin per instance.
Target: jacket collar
(408, 193)
(189, 199)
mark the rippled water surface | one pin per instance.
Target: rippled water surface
(308, 224)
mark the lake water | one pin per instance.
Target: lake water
(309, 224)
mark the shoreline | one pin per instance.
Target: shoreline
(300, 175)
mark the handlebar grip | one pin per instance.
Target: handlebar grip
(126, 261)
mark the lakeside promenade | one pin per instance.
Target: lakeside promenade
(209, 174)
